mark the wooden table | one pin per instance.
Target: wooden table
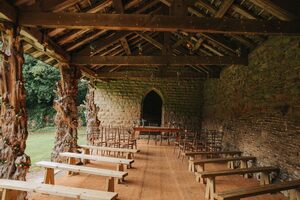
(155, 129)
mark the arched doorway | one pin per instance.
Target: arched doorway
(152, 109)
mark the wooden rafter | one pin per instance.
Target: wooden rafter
(224, 8)
(275, 10)
(125, 46)
(96, 8)
(158, 60)
(33, 36)
(150, 40)
(101, 44)
(162, 23)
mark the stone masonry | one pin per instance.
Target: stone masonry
(120, 101)
(258, 106)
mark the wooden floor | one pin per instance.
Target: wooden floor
(157, 175)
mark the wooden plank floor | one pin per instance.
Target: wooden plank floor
(157, 175)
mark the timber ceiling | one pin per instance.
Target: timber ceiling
(203, 54)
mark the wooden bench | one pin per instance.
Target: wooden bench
(204, 155)
(128, 152)
(199, 165)
(10, 189)
(237, 194)
(211, 177)
(110, 174)
(119, 161)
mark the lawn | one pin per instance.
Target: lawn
(41, 142)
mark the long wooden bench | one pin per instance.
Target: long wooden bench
(211, 177)
(199, 165)
(119, 161)
(10, 189)
(110, 174)
(237, 194)
(128, 152)
(204, 155)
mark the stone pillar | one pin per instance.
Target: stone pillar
(14, 163)
(92, 121)
(66, 119)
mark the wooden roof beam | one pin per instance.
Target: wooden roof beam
(142, 75)
(135, 22)
(158, 60)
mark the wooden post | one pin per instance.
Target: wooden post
(92, 121)
(66, 118)
(14, 163)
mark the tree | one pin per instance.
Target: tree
(40, 80)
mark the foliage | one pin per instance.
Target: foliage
(40, 83)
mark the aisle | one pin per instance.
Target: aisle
(157, 175)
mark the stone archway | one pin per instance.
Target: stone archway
(152, 109)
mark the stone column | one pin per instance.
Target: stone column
(66, 118)
(14, 163)
(92, 121)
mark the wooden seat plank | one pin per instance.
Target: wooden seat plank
(98, 158)
(82, 169)
(236, 171)
(204, 154)
(259, 190)
(222, 160)
(101, 148)
(194, 153)
(56, 190)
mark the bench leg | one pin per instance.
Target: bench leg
(230, 165)
(191, 165)
(87, 152)
(49, 176)
(244, 164)
(264, 178)
(294, 194)
(129, 156)
(72, 161)
(4, 194)
(120, 167)
(210, 189)
(200, 168)
(110, 184)
(10, 194)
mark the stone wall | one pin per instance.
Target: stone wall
(258, 106)
(120, 100)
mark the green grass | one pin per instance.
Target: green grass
(40, 143)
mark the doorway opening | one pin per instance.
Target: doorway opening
(152, 109)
